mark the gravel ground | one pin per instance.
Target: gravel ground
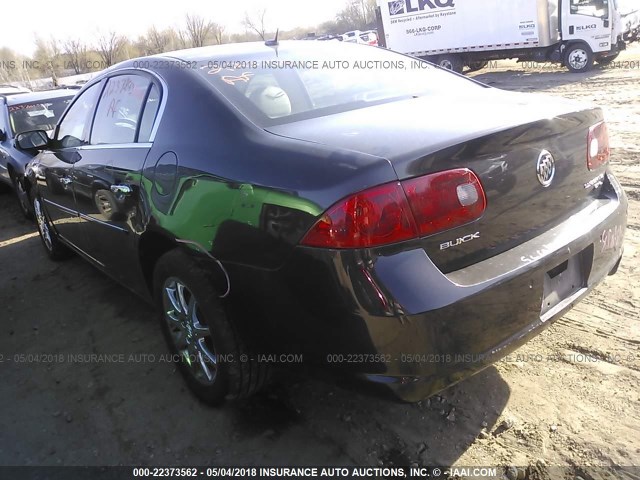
(568, 398)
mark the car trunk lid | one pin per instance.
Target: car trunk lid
(502, 137)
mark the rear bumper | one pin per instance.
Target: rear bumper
(394, 320)
(479, 329)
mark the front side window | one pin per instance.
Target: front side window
(593, 8)
(76, 124)
(119, 111)
(41, 115)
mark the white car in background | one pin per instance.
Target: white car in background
(369, 37)
(352, 36)
(12, 90)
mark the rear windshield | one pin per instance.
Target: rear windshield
(42, 115)
(276, 88)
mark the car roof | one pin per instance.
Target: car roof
(248, 48)
(17, 98)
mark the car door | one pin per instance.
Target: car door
(107, 177)
(56, 178)
(4, 142)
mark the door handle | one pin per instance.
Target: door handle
(122, 189)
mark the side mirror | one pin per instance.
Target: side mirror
(3, 136)
(33, 140)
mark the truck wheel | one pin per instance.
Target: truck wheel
(450, 62)
(579, 58)
(477, 65)
(206, 345)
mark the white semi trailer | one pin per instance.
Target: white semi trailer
(459, 33)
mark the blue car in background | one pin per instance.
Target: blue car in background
(23, 111)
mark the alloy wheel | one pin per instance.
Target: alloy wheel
(191, 338)
(43, 224)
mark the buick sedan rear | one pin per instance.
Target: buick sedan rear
(404, 226)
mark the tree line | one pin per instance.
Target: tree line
(54, 58)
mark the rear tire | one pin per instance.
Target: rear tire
(579, 58)
(206, 345)
(50, 241)
(450, 62)
(477, 65)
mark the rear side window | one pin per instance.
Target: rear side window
(149, 116)
(120, 110)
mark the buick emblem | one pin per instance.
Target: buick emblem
(546, 168)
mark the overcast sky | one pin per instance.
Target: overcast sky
(23, 20)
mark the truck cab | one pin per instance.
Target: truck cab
(596, 23)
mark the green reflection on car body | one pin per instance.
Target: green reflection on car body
(200, 206)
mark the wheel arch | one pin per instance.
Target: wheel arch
(572, 43)
(98, 185)
(153, 244)
(26, 182)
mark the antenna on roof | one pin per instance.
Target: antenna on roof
(274, 42)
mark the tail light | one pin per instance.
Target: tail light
(445, 200)
(377, 216)
(401, 211)
(598, 149)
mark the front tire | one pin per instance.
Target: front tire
(207, 348)
(52, 244)
(579, 58)
(22, 195)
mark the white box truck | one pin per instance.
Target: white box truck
(459, 33)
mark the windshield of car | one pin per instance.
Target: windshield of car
(272, 88)
(41, 115)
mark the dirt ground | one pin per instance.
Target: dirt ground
(568, 398)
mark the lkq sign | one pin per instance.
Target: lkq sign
(400, 7)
